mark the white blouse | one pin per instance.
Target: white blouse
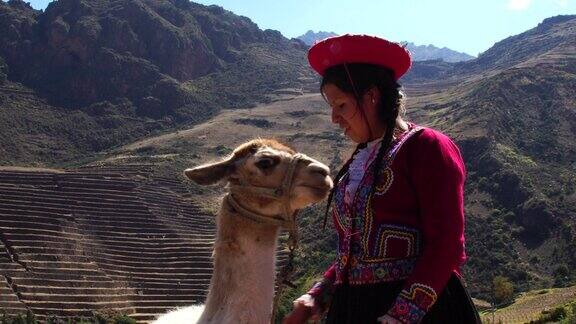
(358, 167)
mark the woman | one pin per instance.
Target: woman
(397, 204)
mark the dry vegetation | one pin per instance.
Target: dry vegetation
(529, 306)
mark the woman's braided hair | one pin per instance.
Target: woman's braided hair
(390, 105)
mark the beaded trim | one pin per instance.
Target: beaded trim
(413, 304)
(387, 234)
(385, 182)
(421, 295)
(368, 273)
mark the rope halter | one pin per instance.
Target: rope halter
(286, 219)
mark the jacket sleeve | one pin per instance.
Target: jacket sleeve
(437, 173)
(330, 274)
(322, 290)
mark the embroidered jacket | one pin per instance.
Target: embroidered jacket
(411, 227)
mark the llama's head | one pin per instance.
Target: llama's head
(256, 170)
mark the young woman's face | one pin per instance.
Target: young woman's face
(346, 113)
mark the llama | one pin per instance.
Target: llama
(268, 183)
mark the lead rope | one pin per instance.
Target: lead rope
(283, 278)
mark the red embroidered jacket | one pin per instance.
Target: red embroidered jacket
(410, 228)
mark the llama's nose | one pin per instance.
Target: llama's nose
(319, 168)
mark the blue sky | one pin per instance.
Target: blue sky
(470, 26)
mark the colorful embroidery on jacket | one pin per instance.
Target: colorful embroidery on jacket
(412, 305)
(363, 254)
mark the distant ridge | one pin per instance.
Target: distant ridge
(431, 52)
(310, 37)
(419, 52)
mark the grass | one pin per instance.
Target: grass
(531, 306)
(105, 317)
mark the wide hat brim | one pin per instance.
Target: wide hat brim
(359, 49)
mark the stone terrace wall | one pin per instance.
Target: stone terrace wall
(77, 242)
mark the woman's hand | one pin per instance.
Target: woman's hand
(388, 320)
(304, 310)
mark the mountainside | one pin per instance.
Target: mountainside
(132, 82)
(311, 37)
(554, 36)
(95, 241)
(153, 64)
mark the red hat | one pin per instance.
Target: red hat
(359, 49)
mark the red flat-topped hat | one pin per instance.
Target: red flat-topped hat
(359, 49)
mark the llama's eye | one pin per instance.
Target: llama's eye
(266, 163)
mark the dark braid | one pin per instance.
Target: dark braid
(384, 147)
(365, 77)
(339, 176)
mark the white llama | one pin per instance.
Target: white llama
(268, 183)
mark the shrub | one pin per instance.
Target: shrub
(256, 122)
(554, 315)
(503, 290)
(222, 150)
(123, 319)
(104, 317)
(29, 318)
(3, 71)
(561, 275)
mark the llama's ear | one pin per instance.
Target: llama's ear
(210, 173)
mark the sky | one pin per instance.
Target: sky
(469, 26)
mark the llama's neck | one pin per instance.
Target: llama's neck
(242, 286)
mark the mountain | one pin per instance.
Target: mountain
(419, 52)
(132, 67)
(167, 84)
(431, 52)
(311, 37)
(549, 42)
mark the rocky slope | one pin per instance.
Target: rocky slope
(310, 36)
(151, 65)
(548, 43)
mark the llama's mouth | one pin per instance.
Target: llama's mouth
(320, 191)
